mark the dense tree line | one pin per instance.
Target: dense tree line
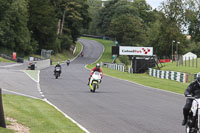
(27, 26)
(137, 24)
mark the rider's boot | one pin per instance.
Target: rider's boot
(184, 122)
(185, 114)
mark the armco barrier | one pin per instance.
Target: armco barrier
(172, 75)
(119, 67)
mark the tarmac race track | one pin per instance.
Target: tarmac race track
(118, 106)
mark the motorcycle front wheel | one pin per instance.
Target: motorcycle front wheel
(94, 87)
(189, 130)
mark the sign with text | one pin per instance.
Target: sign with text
(143, 51)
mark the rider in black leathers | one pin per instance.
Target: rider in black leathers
(194, 90)
(57, 65)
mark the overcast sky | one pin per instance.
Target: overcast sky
(154, 3)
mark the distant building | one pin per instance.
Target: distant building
(189, 55)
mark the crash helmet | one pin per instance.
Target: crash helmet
(97, 66)
(198, 78)
(58, 63)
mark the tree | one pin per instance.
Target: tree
(72, 16)
(171, 27)
(16, 35)
(43, 24)
(192, 14)
(77, 17)
(94, 7)
(128, 30)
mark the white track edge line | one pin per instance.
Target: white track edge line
(132, 81)
(79, 52)
(143, 85)
(67, 116)
(21, 94)
(80, 126)
(31, 76)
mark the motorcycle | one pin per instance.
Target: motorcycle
(57, 72)
(68, 62)
(95, 80)
(193, 121)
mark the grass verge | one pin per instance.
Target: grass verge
(33, 74)
(5, 60)
(36, 114)
(181, 68)
(5, 130)
(143, 79)
(61, 57)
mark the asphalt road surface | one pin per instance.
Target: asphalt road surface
(118, 106)
(14, 81)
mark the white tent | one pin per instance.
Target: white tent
(189, 55)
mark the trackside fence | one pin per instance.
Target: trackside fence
(172, 75)
(119, 67)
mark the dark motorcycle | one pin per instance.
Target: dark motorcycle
(68, 62)
(57, 72)
(193, 121)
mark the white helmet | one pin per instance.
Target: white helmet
(58, 63)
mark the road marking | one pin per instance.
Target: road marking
(67, 116)
(44, 99)
(141, 84)
(78, 53)
(31, 76)
(132, 81)
(21, 94)
(99, 56)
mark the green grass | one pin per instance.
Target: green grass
(5, 60)
(61, 57)
(143, 79)
(36, 114)
(106, 57)
(33, 74)
(5, 130)
(182, 68)
(147, 80)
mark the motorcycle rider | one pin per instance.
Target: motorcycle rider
(192, 90)
(97, 68)
(57, 65)
(68, 62)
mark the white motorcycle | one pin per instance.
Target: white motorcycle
(95, 80)
(193, 121)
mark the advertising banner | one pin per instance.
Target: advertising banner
(142, 51)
